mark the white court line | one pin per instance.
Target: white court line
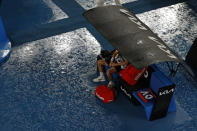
(58, 14)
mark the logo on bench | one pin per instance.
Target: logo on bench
(147, 95)
(166, 92)
(146, 74)
(129, 95)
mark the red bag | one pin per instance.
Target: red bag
(104, 93)
(132, 75)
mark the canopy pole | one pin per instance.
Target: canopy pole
(117, 2)
(101, 3)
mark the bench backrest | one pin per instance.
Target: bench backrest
(158, 80)
(164, 89)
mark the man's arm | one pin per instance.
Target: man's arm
(119, 64)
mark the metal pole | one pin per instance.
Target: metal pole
(101, 3)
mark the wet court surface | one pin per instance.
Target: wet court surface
(46, 84)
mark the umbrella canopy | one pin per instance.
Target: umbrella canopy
(131, 37)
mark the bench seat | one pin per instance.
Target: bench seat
(163, 101)
(161, 87)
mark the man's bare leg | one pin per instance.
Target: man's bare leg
(109, 75)
(100, 64)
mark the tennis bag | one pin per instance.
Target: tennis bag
(104, 93)
(132, 75)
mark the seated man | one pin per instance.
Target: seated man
(116, 64)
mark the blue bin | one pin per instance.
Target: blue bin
(5, 44)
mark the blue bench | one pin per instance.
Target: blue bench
(154, 92)
(5, 45)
